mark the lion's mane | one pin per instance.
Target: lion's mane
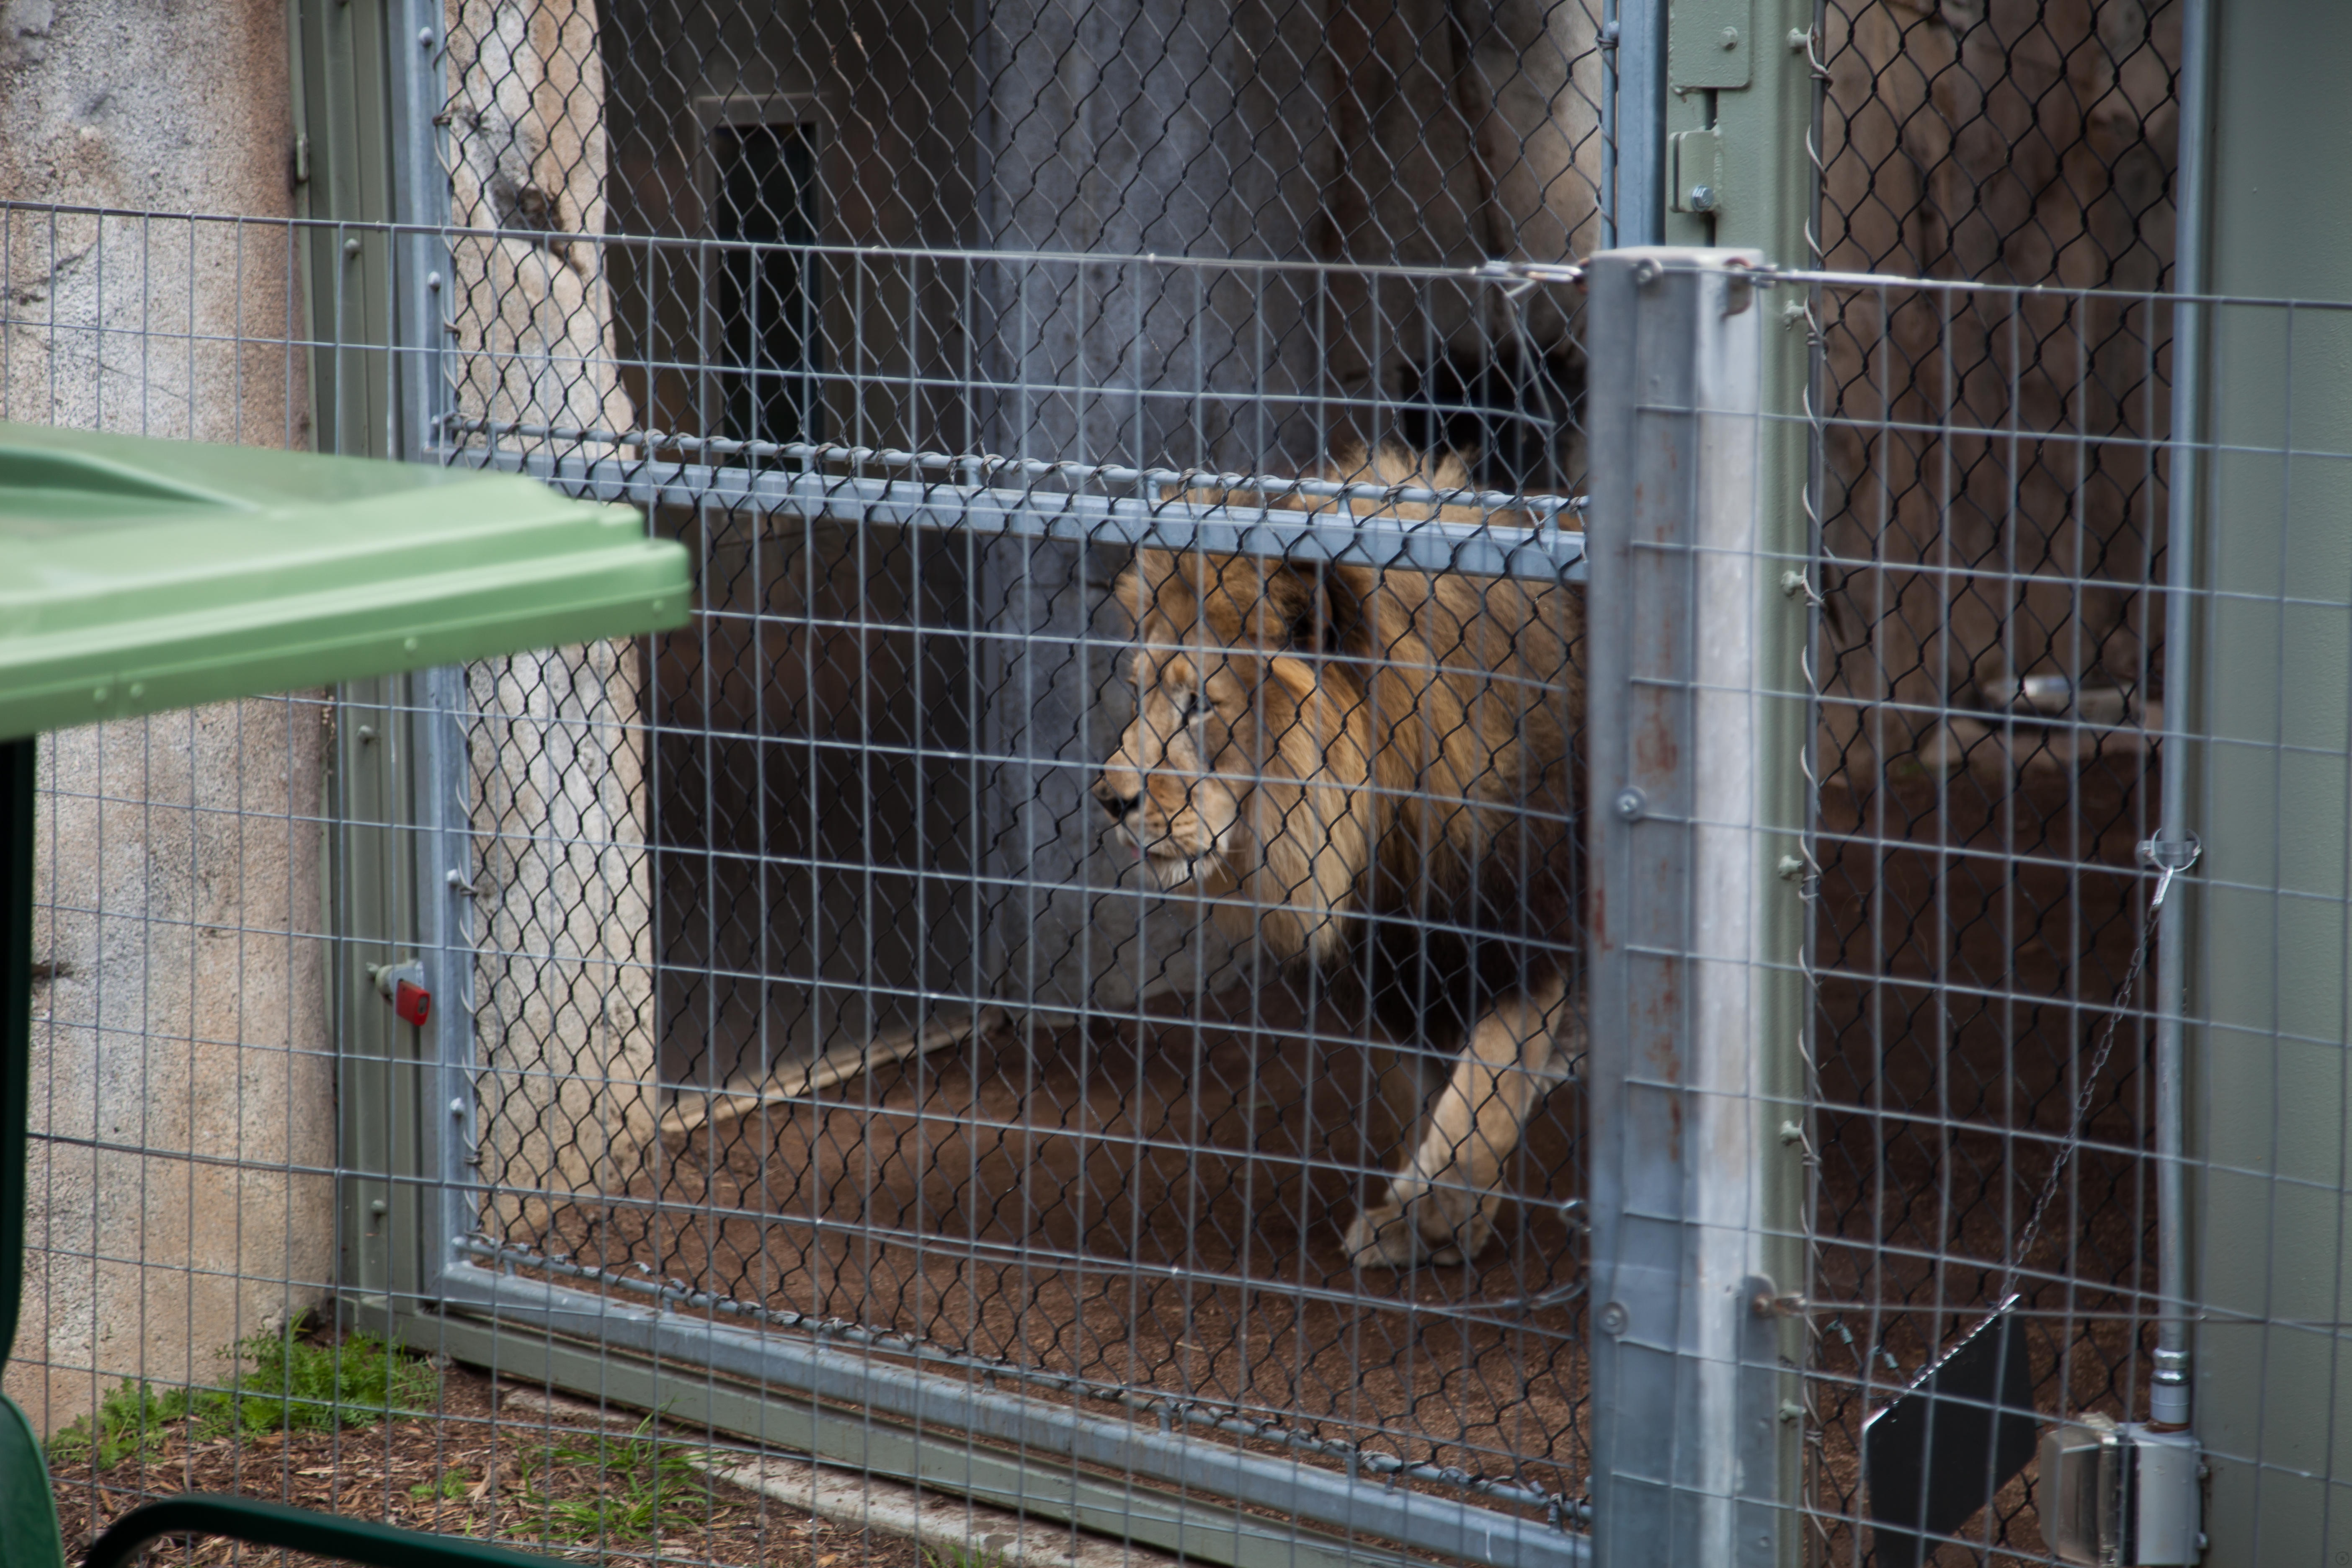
(1402, 760)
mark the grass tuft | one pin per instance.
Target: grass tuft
(294, 1386)
(643, 1487)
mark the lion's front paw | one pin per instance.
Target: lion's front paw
(1398, 1234)
(1383, 1237)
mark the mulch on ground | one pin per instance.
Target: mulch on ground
(532, 1482)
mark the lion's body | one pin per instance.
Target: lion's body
(1373, 771)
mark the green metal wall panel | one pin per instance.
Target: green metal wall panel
(2270, 1074)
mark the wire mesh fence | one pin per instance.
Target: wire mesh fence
(796, 986)
(1982, 892)
(904, 1048)
(909, 1049)
(816, 974)
(1994, 512)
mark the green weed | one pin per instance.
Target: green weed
(447, 1486)
(641, 1487)
(293, 1386)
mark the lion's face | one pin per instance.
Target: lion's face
(1242, 771)
(1172, 788)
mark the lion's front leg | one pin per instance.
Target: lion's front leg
(1441, 1207)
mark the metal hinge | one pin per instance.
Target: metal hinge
(302, 159)
(1696, 157)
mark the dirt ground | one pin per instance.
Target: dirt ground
(1974, 926)
(1152, 1204)
(469, 1467)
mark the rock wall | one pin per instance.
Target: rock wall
(181, 1006)
(564, 993)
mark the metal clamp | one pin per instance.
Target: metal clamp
(2169, 858)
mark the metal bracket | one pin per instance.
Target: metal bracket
(1710, 44)
(1696, 158)
(2170, 854)
(1763, 1393)
(2120, 1496)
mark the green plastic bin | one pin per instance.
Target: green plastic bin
(139, 575)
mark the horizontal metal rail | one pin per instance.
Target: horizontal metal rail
(1358, 1502)
(1545, 553)
(1191, 1410)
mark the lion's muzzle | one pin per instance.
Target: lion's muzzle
(1118, 802)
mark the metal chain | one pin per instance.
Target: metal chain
(2169, 860)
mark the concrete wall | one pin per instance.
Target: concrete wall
(178, 875)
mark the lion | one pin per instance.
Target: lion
(1373, 771)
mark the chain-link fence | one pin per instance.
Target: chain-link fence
(898, 1018)
(1993, 513)
(1984, 902)
(785, 975)
(817, 996)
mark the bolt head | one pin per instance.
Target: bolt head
(1702, 198)
(1631, 803)
(1611, 1318)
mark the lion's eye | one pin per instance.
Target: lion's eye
(1190, 708)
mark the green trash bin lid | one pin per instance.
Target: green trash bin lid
(139, 575)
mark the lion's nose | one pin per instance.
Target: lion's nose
(1120, 806)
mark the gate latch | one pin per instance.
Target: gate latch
(403, 985)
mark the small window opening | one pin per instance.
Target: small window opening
(766, 191)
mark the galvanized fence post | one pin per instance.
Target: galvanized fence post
(401, 811)
(423, 279)
(1688, 1369)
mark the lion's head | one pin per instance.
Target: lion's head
(1241, 775)
(1280, 725)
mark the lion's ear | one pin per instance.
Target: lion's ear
(1289, 597)
(1149, 581)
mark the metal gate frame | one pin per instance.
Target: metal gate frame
(1698, 1012)
(939, 1421)
(414, 1268)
